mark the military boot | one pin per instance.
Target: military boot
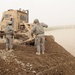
(10, 50)
(6, 49)
(43, 52)
(38, 53)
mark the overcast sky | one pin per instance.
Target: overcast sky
(51, 12)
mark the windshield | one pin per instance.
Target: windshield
(22, 17)
(6, 16)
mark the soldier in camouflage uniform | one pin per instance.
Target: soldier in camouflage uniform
(38, 30)
(9, 36)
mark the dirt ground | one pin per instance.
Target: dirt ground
(24, 61)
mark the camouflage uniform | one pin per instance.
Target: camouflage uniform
(38, 30)
(9, 36)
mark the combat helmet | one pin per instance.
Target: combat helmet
(36, 21)
(9, 22)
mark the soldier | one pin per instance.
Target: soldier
(38, 30)
(9, 36)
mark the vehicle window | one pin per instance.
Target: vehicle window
(6, 16)
(22, 17)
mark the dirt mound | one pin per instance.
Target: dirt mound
(56, 61)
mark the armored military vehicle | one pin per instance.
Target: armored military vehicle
(20, 19)
(20, 23)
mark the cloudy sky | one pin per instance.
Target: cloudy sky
(51, 12)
